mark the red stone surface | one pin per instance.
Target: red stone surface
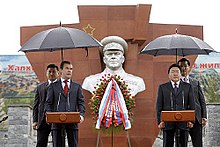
(131, 23)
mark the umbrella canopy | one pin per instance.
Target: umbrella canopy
(59, 38)
(176, 44)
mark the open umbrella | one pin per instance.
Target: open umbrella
(60, 38)
(176, 44)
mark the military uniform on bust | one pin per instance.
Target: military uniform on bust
(113, 57)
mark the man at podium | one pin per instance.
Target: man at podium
(174, 95)
(65, 96)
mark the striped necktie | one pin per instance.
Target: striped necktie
(175, 87)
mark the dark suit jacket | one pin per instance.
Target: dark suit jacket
(200, 105)
(168, 100)
(39, 103)
(58, 102)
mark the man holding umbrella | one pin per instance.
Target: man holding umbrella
(39, 120)
(200, 105)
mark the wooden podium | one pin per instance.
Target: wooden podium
(62, 117)
(178, 116)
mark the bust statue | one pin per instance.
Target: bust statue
(113, 51)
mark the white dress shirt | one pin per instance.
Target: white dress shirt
(177, 84)
(185, 79)
(63, 83)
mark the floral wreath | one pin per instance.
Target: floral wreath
(96, 97)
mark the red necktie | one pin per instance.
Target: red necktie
(65, 88)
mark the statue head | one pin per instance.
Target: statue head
(113, 51)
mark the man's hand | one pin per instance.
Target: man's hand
(81, 118)
(204, 122)
(161, 125)
(189, 124)
(35, 125)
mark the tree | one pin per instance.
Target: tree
(211, 87)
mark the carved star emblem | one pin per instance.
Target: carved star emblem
(89, 29)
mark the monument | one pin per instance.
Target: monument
(113, 51)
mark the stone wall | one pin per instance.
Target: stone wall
(212, 131)
(3, 137)
(21, 134)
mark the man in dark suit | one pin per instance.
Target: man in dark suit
(39, 121)
(200, 105)
(174, 95)
(65, 96)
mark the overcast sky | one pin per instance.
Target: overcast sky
(14, 14)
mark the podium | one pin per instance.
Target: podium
(62, 118)
(178, 116)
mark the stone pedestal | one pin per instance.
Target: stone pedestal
(19, 131)
(212, 130)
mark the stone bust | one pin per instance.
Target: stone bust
(113, 51)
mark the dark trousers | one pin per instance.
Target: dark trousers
(59, 134)
(196, 134)
(168, 138)
(42, 134)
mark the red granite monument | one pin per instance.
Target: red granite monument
(131, 22)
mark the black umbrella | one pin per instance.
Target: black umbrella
(60, 38)
(176, 44)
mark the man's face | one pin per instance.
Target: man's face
(185, 68)
(66, 72)
(52, 74)
(174, 74)
(113, 59)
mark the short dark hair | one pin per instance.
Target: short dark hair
(52, 66)
(184, 60)
(64, 62)
(174, 65)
